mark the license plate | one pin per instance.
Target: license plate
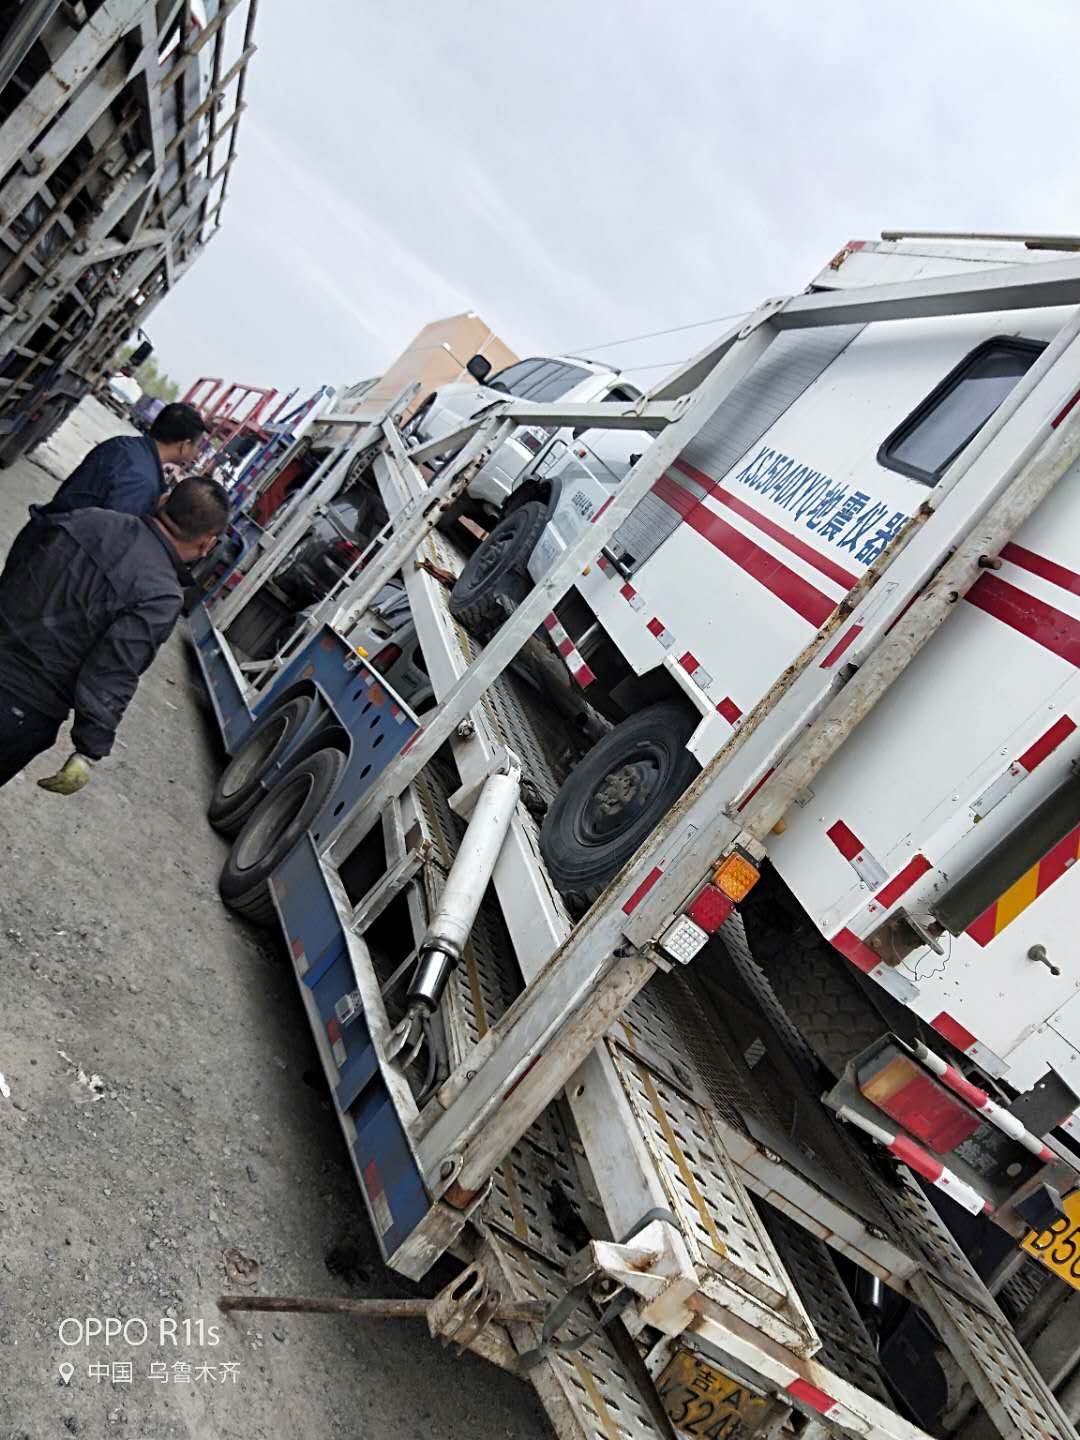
(702, 1401)
(1059, 1247)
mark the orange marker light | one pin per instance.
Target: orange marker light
(736, 876)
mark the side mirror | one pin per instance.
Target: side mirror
(479, 367)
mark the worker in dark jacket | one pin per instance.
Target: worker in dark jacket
(84, 608)
(125, 473)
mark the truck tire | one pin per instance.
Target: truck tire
(496, 579)
(35, 432)
(616, 796)
(239, 788)
(49, 424)
(833, 1014)
(271, 831)
(415, 420)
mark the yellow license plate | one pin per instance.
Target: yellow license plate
(702, 1401)
(1059, 1247)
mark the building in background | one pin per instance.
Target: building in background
(436, 356)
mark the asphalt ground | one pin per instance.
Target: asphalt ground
(165, 1133)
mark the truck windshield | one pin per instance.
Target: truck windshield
(552, 381)
(538, 379)
(930, 439)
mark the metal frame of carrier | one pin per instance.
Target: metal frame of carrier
(145, 205)
(669, 1144)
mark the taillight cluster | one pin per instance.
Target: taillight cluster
(387, 656)
(733, 879)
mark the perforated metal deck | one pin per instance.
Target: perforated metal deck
(1016, 1398)
(531, 1221)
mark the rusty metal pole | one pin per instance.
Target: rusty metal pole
(506, 1313)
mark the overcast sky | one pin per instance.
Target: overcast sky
(578, 171)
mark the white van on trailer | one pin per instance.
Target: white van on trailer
(934, 853)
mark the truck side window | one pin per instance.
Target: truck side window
(929, 440)
(623, 392)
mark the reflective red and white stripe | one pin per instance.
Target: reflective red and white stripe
(961, 1037)
(824, 1405)
(660, 632)
(921, 1161)
(871, 963)
(337, 1044)
(849, 635)
(866, 866)
(979, 1100)
(631, 596)
(1023, 765)
(689, 662)
(571, 655)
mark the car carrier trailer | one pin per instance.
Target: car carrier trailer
(613, 1116)
(118, 132)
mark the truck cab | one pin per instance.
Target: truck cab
(540, 379)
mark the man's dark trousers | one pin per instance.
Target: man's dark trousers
(24, 733)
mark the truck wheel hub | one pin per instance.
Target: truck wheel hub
(622, 796)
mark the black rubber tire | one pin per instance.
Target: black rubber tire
(257, 906)
(239, 788)
(35, 433)
(416, 419)
(495, 579)
(48, 425)
(833, 1014)
(273, 828)
(584, 843)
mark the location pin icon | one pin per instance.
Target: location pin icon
(67, 1370)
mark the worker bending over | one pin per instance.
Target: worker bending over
(125, 473)
(84, 607)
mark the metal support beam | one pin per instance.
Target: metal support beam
(84, 109)
(501, 650)
(20, 39)
(1011, 287)
(235, 69)
(347, 601)
(607, 415)
(91, 43)
(111, 249)
(202, 39)
(404, 538)
(319, 490)
(1033, 242)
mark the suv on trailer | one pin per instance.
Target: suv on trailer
(541, 379)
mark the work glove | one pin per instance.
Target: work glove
(72, 776)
